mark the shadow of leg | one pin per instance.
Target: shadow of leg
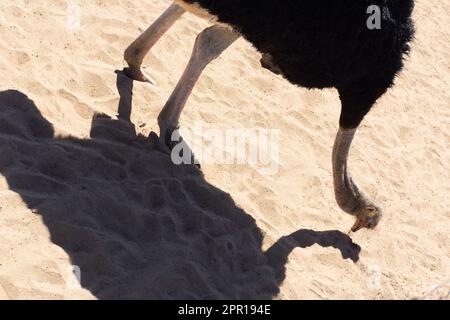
(125, 88)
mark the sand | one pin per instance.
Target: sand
(83, 192)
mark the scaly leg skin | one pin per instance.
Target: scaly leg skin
(210, 43)
(134, 55)
(348, 196)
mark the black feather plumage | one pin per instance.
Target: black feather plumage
(326, 43)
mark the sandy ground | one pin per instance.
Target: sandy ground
(83, 192)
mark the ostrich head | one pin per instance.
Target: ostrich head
(367, 217)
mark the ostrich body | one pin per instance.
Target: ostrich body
(313, 44)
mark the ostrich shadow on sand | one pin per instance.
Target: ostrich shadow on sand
(135, 224)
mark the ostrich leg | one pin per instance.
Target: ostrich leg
(136, 52)
(210, 43)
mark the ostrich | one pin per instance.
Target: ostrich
(313, 44)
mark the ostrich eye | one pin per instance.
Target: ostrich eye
(371, 212)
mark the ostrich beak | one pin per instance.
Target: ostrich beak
(359, 224)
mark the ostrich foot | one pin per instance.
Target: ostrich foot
(171, 143)
(136, 73)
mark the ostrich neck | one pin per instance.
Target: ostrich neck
(348, 196)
